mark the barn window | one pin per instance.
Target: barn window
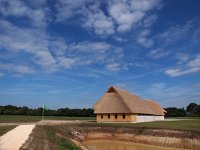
(101, 116)
(115, 116)
(124, 116)
(108, 116)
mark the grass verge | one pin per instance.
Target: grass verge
(186, 125)
(4, 129)
(62, 143)
(26, 118)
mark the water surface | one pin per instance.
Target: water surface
(121, 145)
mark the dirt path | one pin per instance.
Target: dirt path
(13, 139)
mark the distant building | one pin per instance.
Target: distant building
(117, 105)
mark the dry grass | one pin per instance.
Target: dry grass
(4, 129)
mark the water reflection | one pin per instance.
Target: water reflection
(118, 145)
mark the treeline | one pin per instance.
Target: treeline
(192, 110)
(13, 110)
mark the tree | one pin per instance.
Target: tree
(175, 112)
(199, 110)
(13, 110)
(192, 109)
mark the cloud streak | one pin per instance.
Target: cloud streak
(122, 16)
(191, 66)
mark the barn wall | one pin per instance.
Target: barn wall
(144, 118)
(128, 118)
(159, 117)
(133, 118)
(112, 118)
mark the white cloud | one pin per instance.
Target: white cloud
(67, 62)
(191, 66)
(158, 53)
(182, 57)
(101, 24)
(113, 67)
(166, 94)
(96, 52)
(145, 5)
(18, 8)
(91, 47)
(196, 35)
(128, 14)
(35, 42)
(143, 40)
(174, 33)
(119, 39)
(2, 74)
(16, 68)
(150, 20)
(122, 16)
(67, 8)
(30, 40)
(170, 95)
(52, 53)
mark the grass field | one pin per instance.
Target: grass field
(23, 118)
(4, 129)
(189, 124)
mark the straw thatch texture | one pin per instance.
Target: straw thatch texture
(155, 107)
(119, 101)
(111, 103)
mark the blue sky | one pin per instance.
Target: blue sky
(67, 53)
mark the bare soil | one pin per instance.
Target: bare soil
(39, 140)
(161, 137)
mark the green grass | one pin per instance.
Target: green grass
(68, 118)
(51, 133)
(24, 118)
(18, 118)
(191, 125)
(183, 117)
(4, 129)
(66, 144)
(188, 125)
(63, 144)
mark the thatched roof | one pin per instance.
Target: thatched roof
(116, 100)
(155, 107)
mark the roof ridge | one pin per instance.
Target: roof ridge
(115, 88)
(124, 91)
(140, 99)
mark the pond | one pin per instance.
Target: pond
(119, 145)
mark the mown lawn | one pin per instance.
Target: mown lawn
(4, 129)
(18, 118)
(189, 124)
(24, 118)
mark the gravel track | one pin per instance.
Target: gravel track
(14, 139)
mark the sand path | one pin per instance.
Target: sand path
(14, 139)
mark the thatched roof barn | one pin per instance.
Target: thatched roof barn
(120, 105)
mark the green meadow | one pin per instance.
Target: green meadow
(4, 129)
(186, 123)
(190, 124)
(24, 118)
